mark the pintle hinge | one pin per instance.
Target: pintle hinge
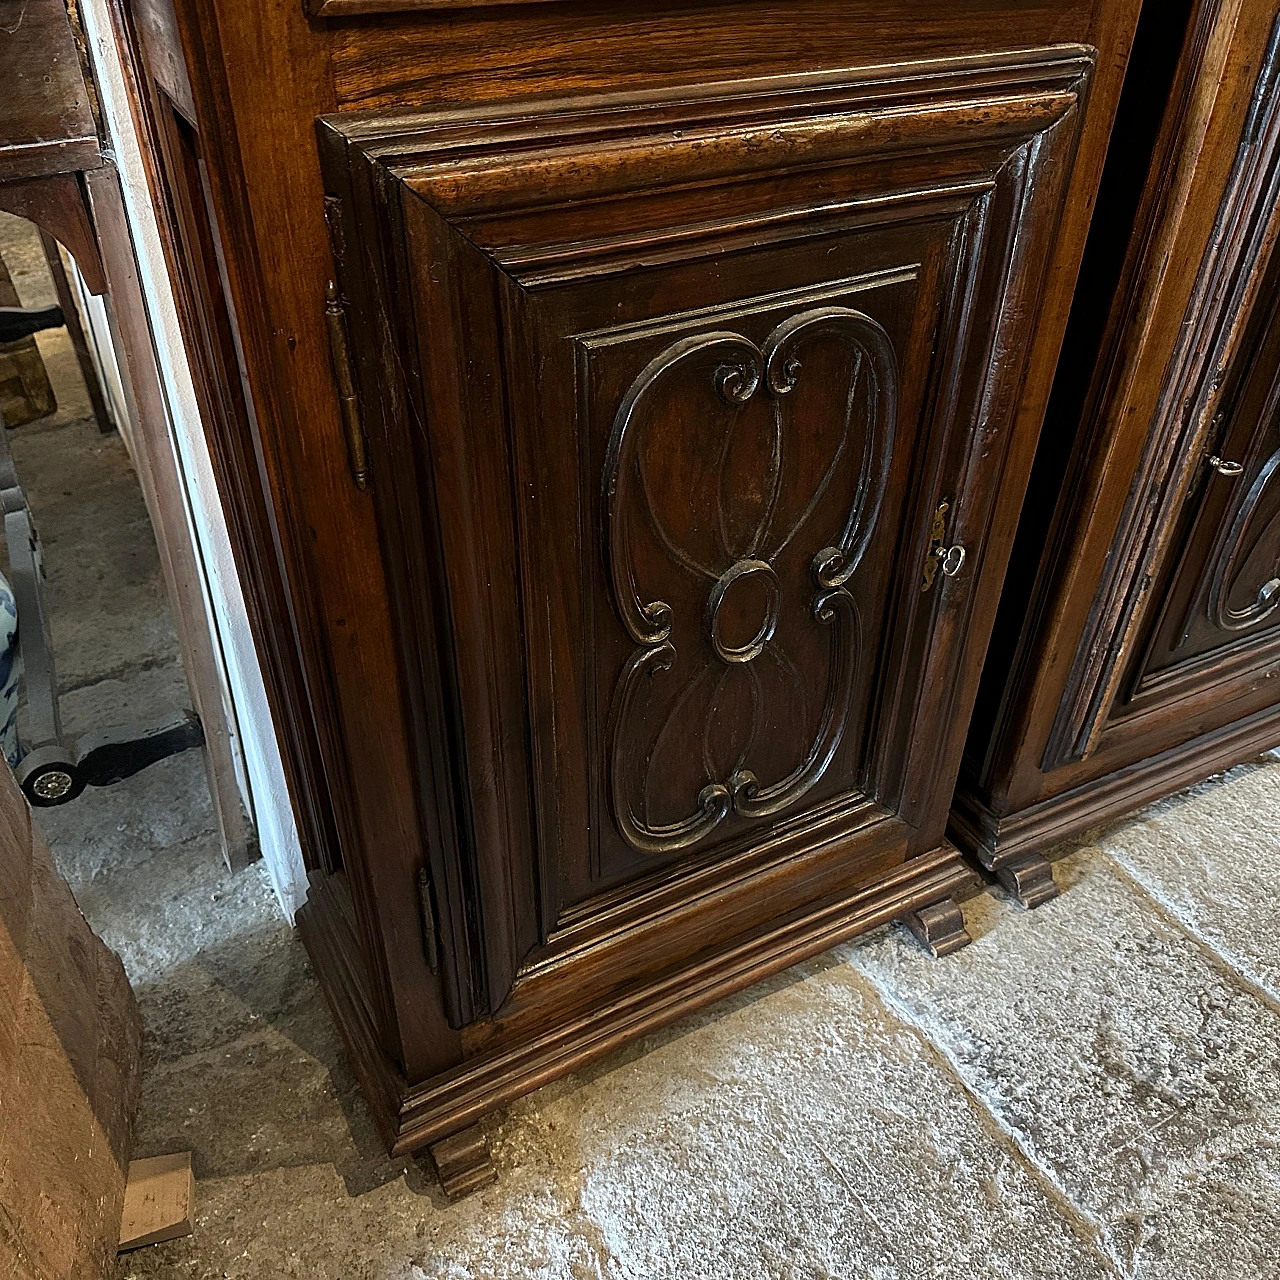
(430, 942)
(335, 313)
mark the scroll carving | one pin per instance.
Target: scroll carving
(1242, 539)
(740, 554)
(1211, 333)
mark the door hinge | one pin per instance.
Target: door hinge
(949, 559)
(335, 314)
(357, 455)
(430, 941)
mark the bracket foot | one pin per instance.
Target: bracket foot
(1029, 878)
(939, 926)
(462, 1162)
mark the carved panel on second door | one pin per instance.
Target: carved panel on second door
(1219, 593)
(1178, 581)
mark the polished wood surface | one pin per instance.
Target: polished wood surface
(1138, 643)
(739, 394)
(699, 355)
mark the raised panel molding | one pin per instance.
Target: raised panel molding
(849, 257)
(1210, 338)
(729, 367)
(1220, 587)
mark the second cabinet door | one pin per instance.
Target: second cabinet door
(687, 413)
(1219, 592)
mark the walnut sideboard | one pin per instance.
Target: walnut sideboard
(1137, 649)
(624, 412)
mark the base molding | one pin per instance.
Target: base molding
(996, 840)
(431, 1112)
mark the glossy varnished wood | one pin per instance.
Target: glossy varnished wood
(939, 927)
(909, 272)
(462, 1162)
(1138, 650)
(549, 226)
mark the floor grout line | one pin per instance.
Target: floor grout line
(122, 671)
(1082, 1223)
(1215, 958)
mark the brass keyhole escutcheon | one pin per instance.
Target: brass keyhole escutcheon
(937, 536)
(949, 559)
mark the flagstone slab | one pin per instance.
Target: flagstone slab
(1128, 1064)
(1211, 856)
(799, 1130)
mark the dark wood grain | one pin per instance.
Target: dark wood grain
(59, 206)
(939, 927)
(46, 112)
(492, 53)
(462, 1162)
(344, 8)
(1029, 878)
(558, 235)
(831, 336)
(1139, 625)
(1213, 326)
(157, 26)
(303, 534)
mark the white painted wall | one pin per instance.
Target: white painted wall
(97, 332)
(267, 798)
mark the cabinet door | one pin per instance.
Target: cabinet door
(687, 415)
(1181, 635)
(1219, 593)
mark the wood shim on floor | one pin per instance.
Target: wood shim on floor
(159, 1201)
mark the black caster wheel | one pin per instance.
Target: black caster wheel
(48, 777)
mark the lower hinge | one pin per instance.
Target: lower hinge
(340, 352)
(430, 940)
(335, 314)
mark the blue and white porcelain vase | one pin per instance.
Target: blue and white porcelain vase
(10, 671)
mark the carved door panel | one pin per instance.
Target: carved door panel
(687, 417)
(1219, 593)
(754, 471)
(1178, 632)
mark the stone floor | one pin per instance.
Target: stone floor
(1090, 1090)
